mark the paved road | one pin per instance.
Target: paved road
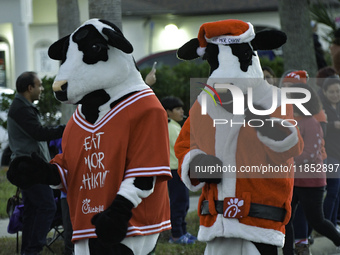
(321, 246)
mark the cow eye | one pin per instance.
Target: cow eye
(96, 48)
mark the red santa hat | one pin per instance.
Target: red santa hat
(229, 31)
(300, 76)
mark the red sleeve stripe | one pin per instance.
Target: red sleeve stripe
(82, 234)
(148, 171)
(148, 230)
(63, 174)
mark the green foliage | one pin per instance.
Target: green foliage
(276, 65)
(323, 13)
(48, 105)
(5, 102)
(175, 81)
(7, 190)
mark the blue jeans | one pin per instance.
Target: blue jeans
(39, 211)
(300, 224)
(179, 204)
(331, 202)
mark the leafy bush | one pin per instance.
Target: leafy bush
(175, 81)
(276, 65)
(48, 105)
(5, 103)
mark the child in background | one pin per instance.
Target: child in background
(269, 75)
(331, 105)
(178, 192)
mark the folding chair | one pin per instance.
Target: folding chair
(15, 210)
(15, 225)
(56, 226)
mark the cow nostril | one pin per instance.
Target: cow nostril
(58, 85)
(64, 87)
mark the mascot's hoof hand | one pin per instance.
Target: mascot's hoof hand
(205, 161)
(112, 224)
(25, 172)
(22, 172)
(264, 126)
(251, 116)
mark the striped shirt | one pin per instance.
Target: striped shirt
(131, 140)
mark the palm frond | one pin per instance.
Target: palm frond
(320, 12)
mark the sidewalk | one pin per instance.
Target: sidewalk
(321, 246)
(3, 229)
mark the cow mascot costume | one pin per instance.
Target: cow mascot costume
(241, 212)
(115, 160)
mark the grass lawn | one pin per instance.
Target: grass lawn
(164, 248)
(8, 247)
(7, 190)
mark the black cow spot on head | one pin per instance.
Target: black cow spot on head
(211, 56)
(244, 53)
(92, 44)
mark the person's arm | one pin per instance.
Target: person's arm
(312, 137)
(150, 78)
(28, 119)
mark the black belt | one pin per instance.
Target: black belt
(267, 212)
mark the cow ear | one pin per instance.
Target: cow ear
(118, 41)
(268, 40)
(56, 50)
(189, 50)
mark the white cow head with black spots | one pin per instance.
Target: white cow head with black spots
(96, 64)
(230, 48)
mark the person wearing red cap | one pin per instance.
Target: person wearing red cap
(299, 76)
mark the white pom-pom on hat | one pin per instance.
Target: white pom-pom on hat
(201, 51)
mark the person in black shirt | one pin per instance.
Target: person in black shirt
(27, 135)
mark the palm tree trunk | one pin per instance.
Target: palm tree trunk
(110, 10)
(68, 21)
(298, 52)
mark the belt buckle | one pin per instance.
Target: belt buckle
(234, 207)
